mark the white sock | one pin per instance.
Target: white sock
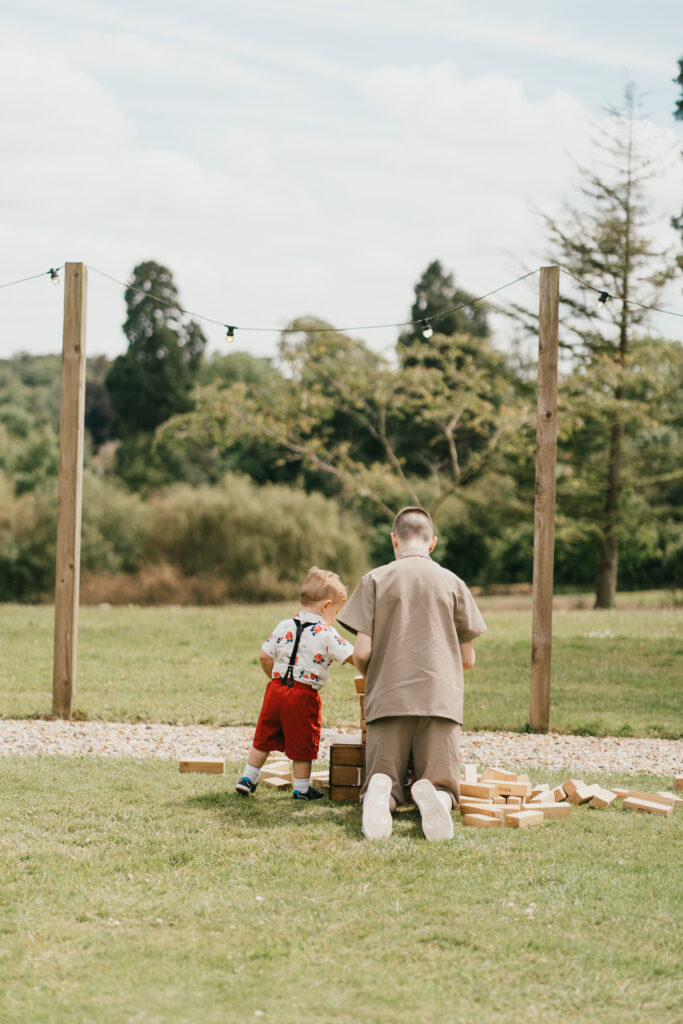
(445, 799)
(303, 785)
(252, 773)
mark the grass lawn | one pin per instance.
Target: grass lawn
(133, 893)
(614, 672)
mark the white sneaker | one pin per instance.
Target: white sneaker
(437, 822)
(377, 821)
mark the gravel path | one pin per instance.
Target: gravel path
(509, 749)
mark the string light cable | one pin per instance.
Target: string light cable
(424, 322)
(605, 296)
(53, 274)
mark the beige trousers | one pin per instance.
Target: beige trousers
(435, 746)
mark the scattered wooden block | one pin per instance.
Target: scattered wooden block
(658, 798)
(552, 811)
(276, 770)
(499, 799)
(670, 798)
(360, 684)
(481, 821)
(208, 765)
(546, 797)
(678, 781)
(488, 810)
(603, 798)
(559, 793)
(321, 778)
(542, 787)
(522, 819)
(631, 803)
(275, 783)
(484, 789)
(524, 778)
(570, 785)
(521, 789)
(514, 801)
(582, 794)
(470, 773)
(497, 774)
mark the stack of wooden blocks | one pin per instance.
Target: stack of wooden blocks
(496, 797)
(347, 756)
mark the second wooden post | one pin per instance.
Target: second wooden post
(544, 509)
(70, 490)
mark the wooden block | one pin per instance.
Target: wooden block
(345, 793)
(499, 799)
(658, 798)
(522, 819)
(275, 783)
(670, 798)
(347, 775)
(360, 684)
(582, 794)
(470, 773)
(631, 803)
(570, 785)
(497, 774)
(208, 765)
(521, 789)
(321, 779)
(524, 778)
(559, 793)
(552, 811)
(603, 798)
(488, 810)
(481, 821)
(485, 789)
(543, 787)
(678, 781)
(275, 772)
(514, 801)
(349, 752)
(546, 797)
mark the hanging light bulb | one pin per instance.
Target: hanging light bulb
(229, 333)
(54, 275)
(426, 329)
(602, 299)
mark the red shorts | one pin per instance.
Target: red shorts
(290, 720)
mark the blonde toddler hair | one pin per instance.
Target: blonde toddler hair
(321, 584)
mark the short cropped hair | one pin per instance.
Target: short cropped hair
(413, 523)
(321, 584)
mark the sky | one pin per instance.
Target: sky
(308, 157)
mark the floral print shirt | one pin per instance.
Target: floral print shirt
(318, 648)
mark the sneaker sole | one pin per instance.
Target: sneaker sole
(243, 791)
(436, 821)
(377, 821)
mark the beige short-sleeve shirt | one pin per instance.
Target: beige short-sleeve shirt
(418, 614)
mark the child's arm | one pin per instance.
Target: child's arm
(266, 663)
(467, 655)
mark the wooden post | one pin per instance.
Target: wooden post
(70, 490)
(544, 511)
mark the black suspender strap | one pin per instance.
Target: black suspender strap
(288, 677)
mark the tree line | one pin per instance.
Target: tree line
(331, 432)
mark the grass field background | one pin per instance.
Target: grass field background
(613, 672)
(133, 893)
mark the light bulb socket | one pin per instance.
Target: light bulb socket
(54, 275)
(603, 297)
(229, 332)
(427, 330)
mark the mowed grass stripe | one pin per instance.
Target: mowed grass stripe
(131, 892)
(613, 673)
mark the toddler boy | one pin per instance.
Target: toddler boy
(296, 657)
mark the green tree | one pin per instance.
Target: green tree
(154, 379)
(436, 303)
(603, 242)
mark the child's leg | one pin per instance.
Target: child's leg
(302, 775)
(252, 770)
